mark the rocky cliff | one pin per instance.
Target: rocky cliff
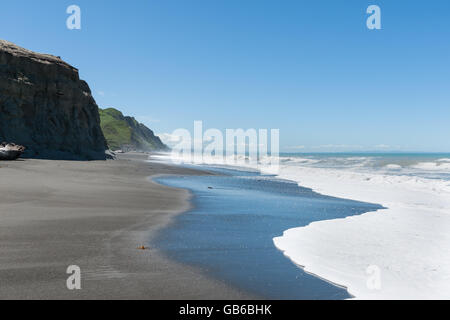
(125, 133)
(45, 107)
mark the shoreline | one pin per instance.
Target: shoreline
(54, 214)
(344, 251)
(403, 274)
(233, 242)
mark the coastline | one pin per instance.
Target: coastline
(54, 214)
(229, 233)
(96, 214)
(377, 245)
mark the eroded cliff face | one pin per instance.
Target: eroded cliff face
(45, 107)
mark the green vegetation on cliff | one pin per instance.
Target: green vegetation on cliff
(126, 133)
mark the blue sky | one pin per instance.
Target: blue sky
(310, 68)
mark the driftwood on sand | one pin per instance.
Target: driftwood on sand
(10, 151)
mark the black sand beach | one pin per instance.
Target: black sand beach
(95, 215)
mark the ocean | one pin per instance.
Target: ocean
(424, 165)
(336, 215)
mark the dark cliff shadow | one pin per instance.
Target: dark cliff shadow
(65, 156)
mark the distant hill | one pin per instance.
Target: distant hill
(125, 133)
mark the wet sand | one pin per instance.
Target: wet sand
(230, 232)
(95, 215)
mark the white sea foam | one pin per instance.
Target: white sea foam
(393, 166)
(441, 165)
(409, 242)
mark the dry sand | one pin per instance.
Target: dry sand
(95, 215)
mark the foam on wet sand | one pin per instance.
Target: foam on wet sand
(405, 246)
(408, 243)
